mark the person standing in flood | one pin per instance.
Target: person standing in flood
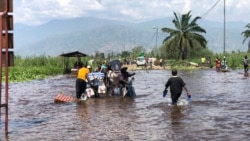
(224, 63)
(245, 63)
(176, 85)
(217, 63)
(124, 79)
(81, 81)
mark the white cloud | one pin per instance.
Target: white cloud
(41, 11)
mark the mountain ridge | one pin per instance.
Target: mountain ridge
(90, 35)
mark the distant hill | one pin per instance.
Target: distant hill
(89, 35)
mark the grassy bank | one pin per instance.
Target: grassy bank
(41, 67)
(30, 68)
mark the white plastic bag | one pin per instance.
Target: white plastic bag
(102, 89)
(90, 92)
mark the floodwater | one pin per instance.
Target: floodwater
(219, 110)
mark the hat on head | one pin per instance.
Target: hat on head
(89, 67)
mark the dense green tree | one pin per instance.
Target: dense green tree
(125, 54)
(246, 35)
(136, 51)
(185, 36)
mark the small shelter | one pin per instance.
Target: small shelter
(66, 57)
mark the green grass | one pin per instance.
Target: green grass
(41, 67)
(31, 68)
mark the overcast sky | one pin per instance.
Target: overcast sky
(35, 12)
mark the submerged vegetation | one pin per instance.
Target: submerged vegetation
(37, 67)
(29, 68)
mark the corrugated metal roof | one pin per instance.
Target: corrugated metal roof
(74, 54)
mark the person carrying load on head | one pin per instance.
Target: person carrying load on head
(114, 71)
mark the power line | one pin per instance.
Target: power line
(210, 9)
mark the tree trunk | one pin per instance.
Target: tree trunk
(183, 55)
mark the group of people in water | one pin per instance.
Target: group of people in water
(111, 78)
(175, 83)
(221, 65)
(121, 79)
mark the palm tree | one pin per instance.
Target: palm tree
(246, 35)
(186, 35)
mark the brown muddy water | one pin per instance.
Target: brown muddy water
(219, 110)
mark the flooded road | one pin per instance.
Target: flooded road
(219, 110)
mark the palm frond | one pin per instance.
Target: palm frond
(196, 29)
(246, 33)
(186, 35)
(168, 30)
(176, 21)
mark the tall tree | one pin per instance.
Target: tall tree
(136, 51)
(185, 36)
(246, 35)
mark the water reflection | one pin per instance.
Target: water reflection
(176, 116)
(219, 110)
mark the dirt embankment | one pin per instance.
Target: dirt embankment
(166, 67)
(134, 67)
